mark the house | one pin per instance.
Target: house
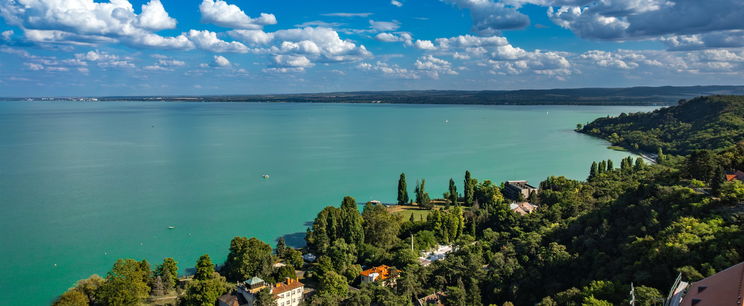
(518, 190)
(431, 299)
(723, 288)
(384, 274)
(232, 299)
(437, 254)
(735, 175)
(522, 208)
(288, 292)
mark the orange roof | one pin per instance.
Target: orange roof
(723, 288)
(383, 272)
(285, 286)
(736, 175)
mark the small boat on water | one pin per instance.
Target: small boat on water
(171, 227)
(265, 176)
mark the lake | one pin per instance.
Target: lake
(82, 184)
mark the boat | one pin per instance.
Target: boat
(171, 227)
(265, 176)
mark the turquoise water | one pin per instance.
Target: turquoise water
(82, 184)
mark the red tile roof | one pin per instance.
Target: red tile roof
(288, 285)
(383, 272)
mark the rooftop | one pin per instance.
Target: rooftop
(383, 272)
(288, 285)
(520, 184)
(723, 288)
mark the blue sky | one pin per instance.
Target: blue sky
(195, 47)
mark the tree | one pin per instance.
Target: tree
(125, 284)
(702, 165)
(333, 285)
(168, 273)
(351, 222)
(89, 286)
(294, 258)
(639, 164)
(380, 226)
(206, 286)
(72, 297)
(204, 268)
(452, 192)
(281, 247)
(716, 182)
(610, 166)
(468, 189)
(265, 298)
(660, 156)
(422, 197)
(593, 171)
(602, 167)
(247, 258)
(402, 189)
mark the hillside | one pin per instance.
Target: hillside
(667, 95)
(711, 122)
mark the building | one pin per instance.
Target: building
(387, 275)
(513, 190)
(431, 299)
(522, 208)
(735, 175)
(723, 288)
(437, 254)
(288, 292)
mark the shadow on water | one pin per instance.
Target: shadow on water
(295, 240)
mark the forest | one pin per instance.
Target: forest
(641, 223)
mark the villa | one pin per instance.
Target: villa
(287, 293)
(522, 208)
(518, 190)
(437, 254)
(387, 275)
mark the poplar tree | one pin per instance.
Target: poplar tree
(593, 171)
(639, 164)
(468, 189)
(452, 192)
(610, 166)
(402, 189)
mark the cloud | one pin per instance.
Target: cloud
(220, 61)
(227, 15)
(396, 3)
(86, 22)
(7, 34)
(322, 43)
(252, 37)
(621, 59)
(404, 37)
(105, 60)
(720, 39)
(425, 45)
(384, 26)
(34, 66)
(394, 71)
(154, 17)
(434, 66)
(646, 19)
(292, 61)
(209, 41)
(363, 15)
(490, 17)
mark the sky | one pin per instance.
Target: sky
(215, 47)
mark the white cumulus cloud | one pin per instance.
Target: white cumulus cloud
(228, 15)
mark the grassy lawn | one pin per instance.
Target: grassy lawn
(417, 214)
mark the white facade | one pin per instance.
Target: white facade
(290, 298)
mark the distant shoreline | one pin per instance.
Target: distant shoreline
(633, 96)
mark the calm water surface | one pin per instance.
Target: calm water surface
(82, 184)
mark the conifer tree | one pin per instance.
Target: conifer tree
(402, 189)
(468, 189)
(610, 166)
(593, 171)
(452, 192)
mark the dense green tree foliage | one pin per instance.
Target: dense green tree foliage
(247, 258)
(422, 197)
(468, 189)
(712, 122)
(206, 286)
(168, 273)
(125, 284)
